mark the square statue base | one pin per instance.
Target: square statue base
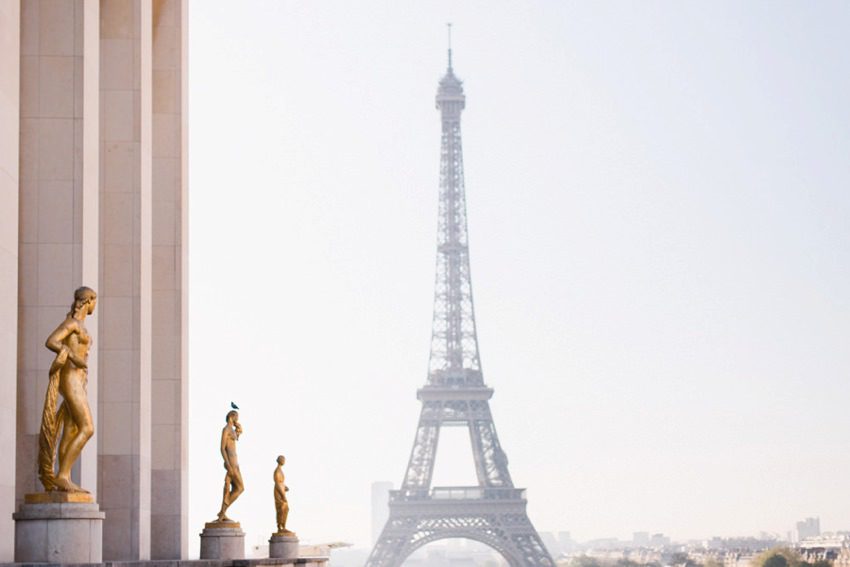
(222, 540)
(283, 546)
(58, 527)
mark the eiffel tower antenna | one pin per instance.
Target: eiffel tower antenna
(449, 28)
(493, 511)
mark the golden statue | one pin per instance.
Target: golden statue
(68, 376)
(233, 485)
(280, 503)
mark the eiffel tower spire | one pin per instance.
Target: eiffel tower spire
(449, 27)
(493, 511)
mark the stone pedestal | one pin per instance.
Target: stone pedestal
(283, 546)
(58, 527)
(222, 540)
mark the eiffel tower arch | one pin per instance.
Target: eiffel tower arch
(492, 512)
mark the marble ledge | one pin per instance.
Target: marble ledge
(253, 562)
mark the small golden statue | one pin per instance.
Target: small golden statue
(68, 376)
(280, 503)
(233, 485)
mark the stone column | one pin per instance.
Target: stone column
(125, 283)
(10, 16)
(58, 210)
(169, 483)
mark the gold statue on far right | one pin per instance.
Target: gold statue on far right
(280, 503)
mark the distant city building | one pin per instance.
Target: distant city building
(551, 543)
(843, 558)
(645, 548)
(810, 527)
(380, 507)
(565, 542)
(455, 553)
(604, 543)
(611, 556)
(824, 547)
(741, 544)
(733, 559)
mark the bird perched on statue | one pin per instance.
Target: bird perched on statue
(234, 406)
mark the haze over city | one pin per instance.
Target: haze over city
(657, 201)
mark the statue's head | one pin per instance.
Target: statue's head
(232, 416)
(84, 298)
(281, 460)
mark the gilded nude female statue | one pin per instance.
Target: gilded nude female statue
(68, 376)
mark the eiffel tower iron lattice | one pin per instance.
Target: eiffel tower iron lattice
(494, 511)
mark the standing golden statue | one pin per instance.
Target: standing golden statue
(68, 376)
(280, 503)
(233, 485)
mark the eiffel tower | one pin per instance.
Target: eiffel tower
(494, 511)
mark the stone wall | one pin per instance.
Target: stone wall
(93, 183)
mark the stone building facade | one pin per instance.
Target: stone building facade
(93, 179)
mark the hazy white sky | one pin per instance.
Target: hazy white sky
(658, 212)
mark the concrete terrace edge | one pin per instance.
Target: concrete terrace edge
(263, 561)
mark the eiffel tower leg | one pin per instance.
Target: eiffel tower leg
(389, 547)
(527, 542)
(491, 463)
(422, 456)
